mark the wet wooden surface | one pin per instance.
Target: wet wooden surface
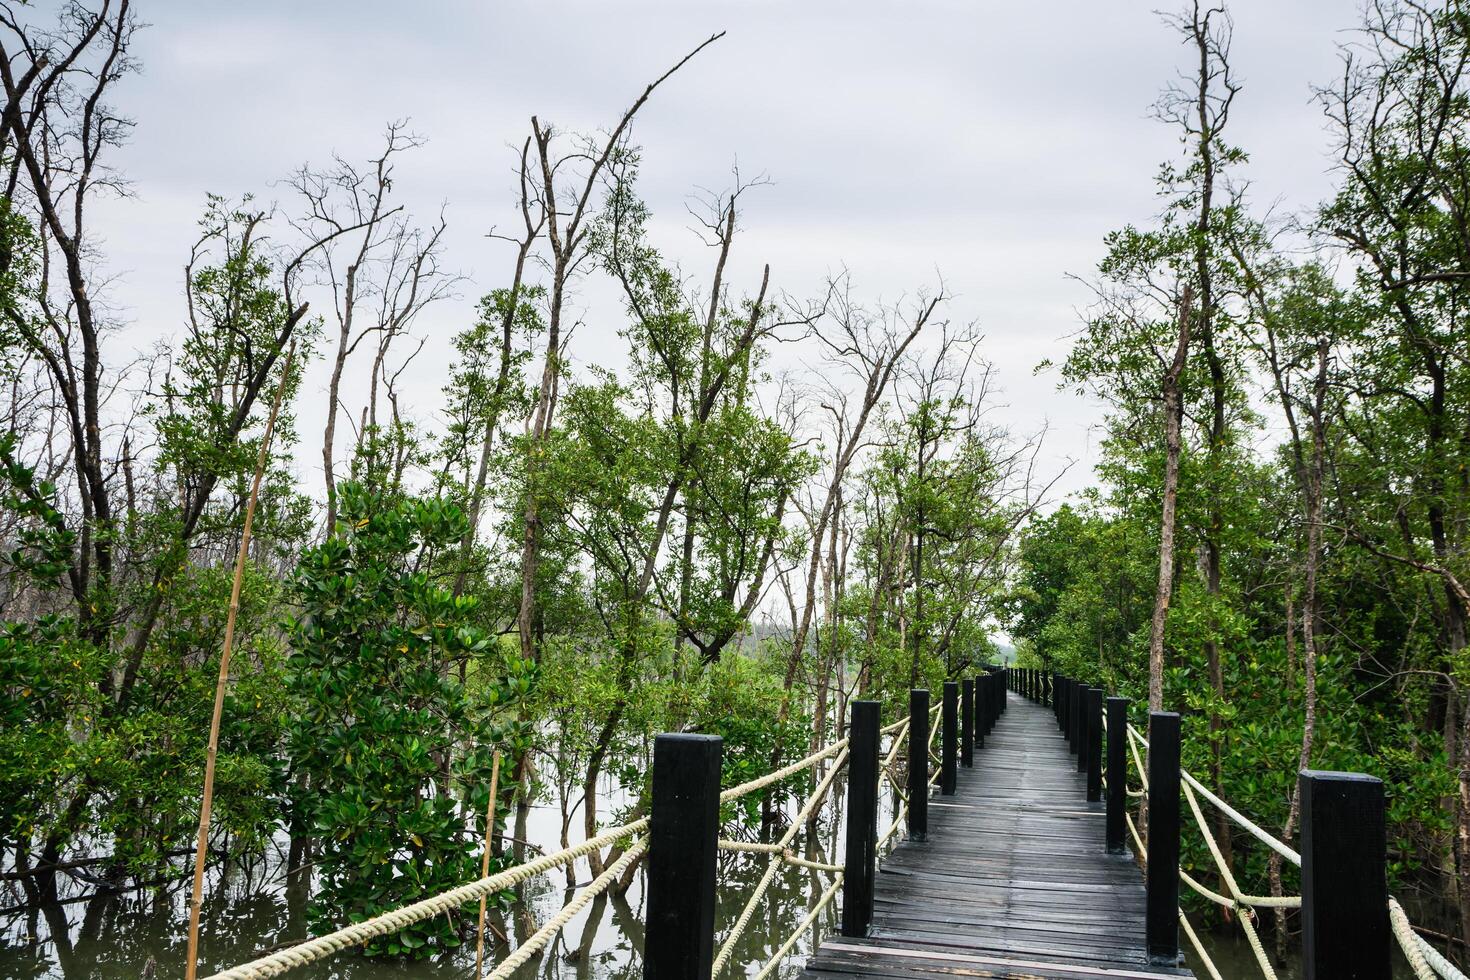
(1013, 881)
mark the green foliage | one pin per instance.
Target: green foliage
(379, 742)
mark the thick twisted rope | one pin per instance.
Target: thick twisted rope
(544, 935)
(1425, 960)
(727, 949)
(1199, 947)
(1242, 904)
(903, 811)
(1241, 821)
(801, 929)
(771, 778)
(390, 922)
(1408, 941)
(784, 853)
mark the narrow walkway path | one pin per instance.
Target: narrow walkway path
(1014, 880)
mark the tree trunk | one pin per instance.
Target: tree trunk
(1173, 405)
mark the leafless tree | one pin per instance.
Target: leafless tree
(382, 271)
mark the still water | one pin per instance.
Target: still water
(143, 933)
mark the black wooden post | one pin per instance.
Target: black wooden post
(862, 819)
(1084, 731)
(1117, 773)
(1162, 875)
(967, 723)
(1345, 928)
(683, 842)
(1094, 744)
(1064, 713)
(918, 764)
(981, 693)
(1078, 732)
(949, 737)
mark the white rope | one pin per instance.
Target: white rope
(745, 789)
(1241, 821)
(784, 853)
(1199, 948)
(1408, 941)
(811, 917)
(390, 922)
(898, 819)
(1426, 961)
(796, 860)
(737, 930)
(1245, 914)
(544, 935)
(753, 847)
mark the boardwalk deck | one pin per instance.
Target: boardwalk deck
(1013, 881)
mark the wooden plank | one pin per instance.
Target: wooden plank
(1013, 879)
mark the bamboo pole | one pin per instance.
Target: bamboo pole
(485, 861)
(206, 803)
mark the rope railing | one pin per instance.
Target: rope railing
(781, 854)
(639, 838)
(727, 948)
(359, 933)
(1426, 962)
(533, 946)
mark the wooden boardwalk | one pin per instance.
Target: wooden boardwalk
(1014, 880)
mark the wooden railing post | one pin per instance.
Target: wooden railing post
(1094, 744)
(1084, 732)
(1162, 873)
(1058, 695)
(982, 692)
(949, 738)
(1345, 927)
(862, 819)
(683, 842)
(967, 723)
(1076, 726)
(918, 764)
(1117, 773)
(1066, 711)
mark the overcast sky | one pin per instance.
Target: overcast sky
(993, 143)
